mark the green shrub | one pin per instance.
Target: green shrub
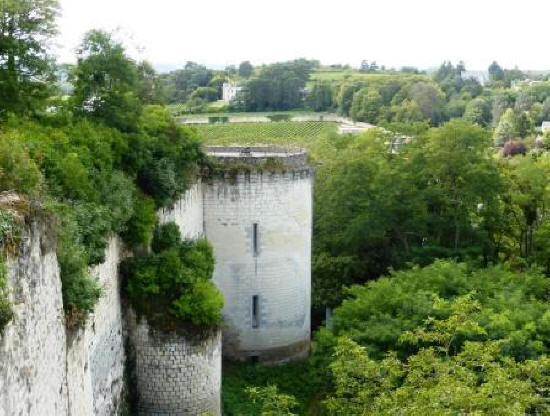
(158, 179)
(202, 304)
(139, 230)
(172, 286)
(9, 238)
(97, 181)
(6, 312)
(18, 172)
(80, 290)
(166, 236)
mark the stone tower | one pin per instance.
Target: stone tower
(257, 210)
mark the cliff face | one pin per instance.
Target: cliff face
(33, 376)
(44, 369)
(95, 353)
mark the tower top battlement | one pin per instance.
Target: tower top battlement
(291, 157)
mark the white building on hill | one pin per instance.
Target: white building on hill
(230, 91)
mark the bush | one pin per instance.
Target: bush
(6, 312)
(172, 285)
(166, 236)
(18, 172)
(80, 290)
(139, 230)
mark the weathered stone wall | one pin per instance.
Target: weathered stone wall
(32, 348)
(45, 369)
(278, 271)
(176, 374)
(187, 212)
(95, 353)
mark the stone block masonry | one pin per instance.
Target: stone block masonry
(45, 369)
(33, 379)
(259, 223)
(176, 374)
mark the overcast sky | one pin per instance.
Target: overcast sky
(421, 33)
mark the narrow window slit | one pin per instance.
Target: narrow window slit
(255, 238)
(255, 311)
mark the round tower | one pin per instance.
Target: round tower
(176, 373)
(258, 217)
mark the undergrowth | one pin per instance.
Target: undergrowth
(298, 379)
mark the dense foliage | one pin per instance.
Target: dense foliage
(442, 195)
(98, 163)
(443, 339)
(172, 285)
(277, 87)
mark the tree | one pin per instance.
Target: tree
(511, 75)
(245, 69)
(506, 129)
(378, 314)
(496, 73)
(278, 86)
(182, 82)
(460, 174)
(106, 86)
(172, 285)
(150, 88)
(26, 28)
(449, 78)
(478, 111)
(501, 102)
(430, 99)
(437, 379)
(344, 97)
(545, 113)
(366, 105)
(273, 402)
(408, 112)
(320, 98)
(524, 102)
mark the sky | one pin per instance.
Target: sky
(394, 33)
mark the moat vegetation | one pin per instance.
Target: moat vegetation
(431, 234)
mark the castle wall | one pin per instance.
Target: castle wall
(276, 269)
(176, 374)
(187, 212)
(95, 353)
(32, 348)
(44, 368)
